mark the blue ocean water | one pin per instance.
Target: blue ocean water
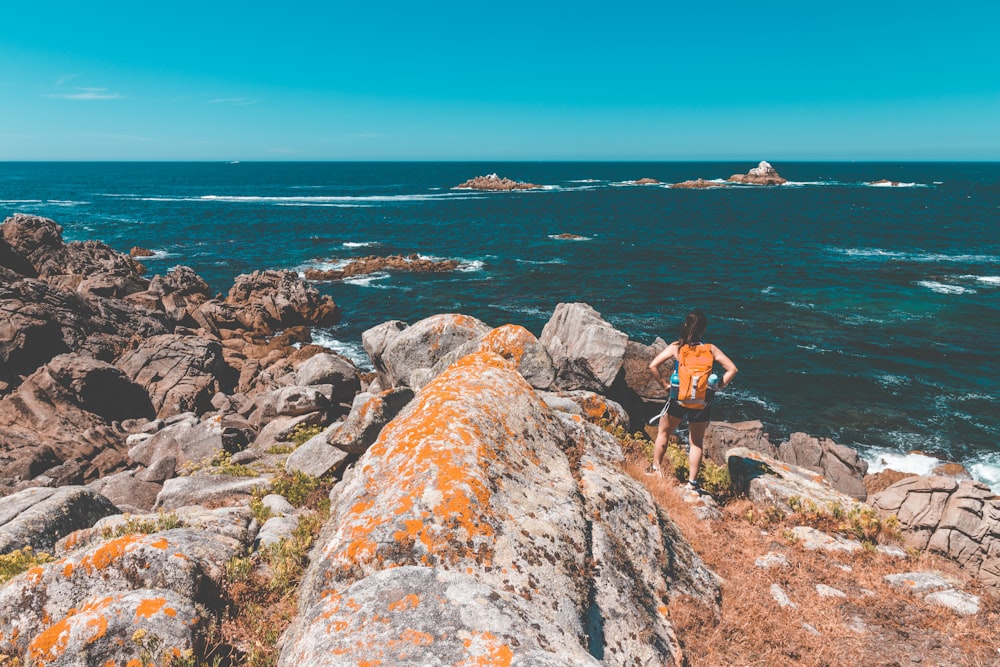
(867, 314)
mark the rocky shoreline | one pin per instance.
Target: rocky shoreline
(154, 438)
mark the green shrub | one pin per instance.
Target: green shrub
(303, 432)
(146, 525)
(21, 560)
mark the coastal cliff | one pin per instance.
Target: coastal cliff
(169, 459)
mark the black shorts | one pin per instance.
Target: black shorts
(693, 415)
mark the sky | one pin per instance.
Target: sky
(304, 80)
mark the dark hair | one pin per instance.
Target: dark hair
(693, 328)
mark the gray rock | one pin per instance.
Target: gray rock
(288, 402)
(180, 373)
(277, 505)
(316, 458)
(369, 415)
(444, 617)
(720, 437)
(512, 342)
(960, 602)
(129, 493)
(274, 530)
(469, 492)
(841, 466)
(919, 583)
(825, 591)
(781, 597)
(38, 517)
(331, 369)
(959, 519)
(103, 627)
(592, 407)
(397, 350)
(772, 560)
(637, 374)
(204, 489)
(767, 481)
(817, 540)
(587, 351)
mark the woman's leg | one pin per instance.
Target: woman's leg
(667, 426)
(696, 434)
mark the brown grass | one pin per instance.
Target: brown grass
(874, 625)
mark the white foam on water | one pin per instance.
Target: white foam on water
(895, 184)
(884, 459)
(986, 469)
(943, 288)
(20, 201)
(540, 262)
(471, 266)
(814, 348)
(890, 380)
(337, 200)
(66, 203)
(768, 290)
(575, 237)
(352, 350)
(749, 397)
(880, 253)
(992, 281)
(360, 244)
(801, 304)
(804, 183)
(158, 254)
(369, 280)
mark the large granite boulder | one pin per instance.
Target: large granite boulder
(959, 519)
(268, 301)
(720, 437)
(39, 517)
(767, 481)
(512, 342)
(637, 374)
(369, 415)
(41, 321)
(398, 351)
(842, 466)
(481, 524)
(180, 373)
(331, 369)
(762, 174)
(89, 267)
(587, 351)
(61, 421)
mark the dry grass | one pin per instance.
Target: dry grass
(874, 625)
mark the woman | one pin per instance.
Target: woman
(686, 351)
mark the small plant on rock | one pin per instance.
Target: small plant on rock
(21, 560)
(303, 432)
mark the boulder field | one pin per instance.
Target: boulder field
(477, 512)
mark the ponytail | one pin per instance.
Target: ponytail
(693, 328)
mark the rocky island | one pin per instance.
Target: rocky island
(359, 266)
(185, 479)
(492, 182)
(699, 184)
(762, 174)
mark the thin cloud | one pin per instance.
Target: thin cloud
(234, 101)
(88, 94)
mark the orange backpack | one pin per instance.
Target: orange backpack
(694, 365)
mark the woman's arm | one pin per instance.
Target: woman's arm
(726, 363)
(669, 352)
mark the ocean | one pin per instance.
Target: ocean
(863, 313)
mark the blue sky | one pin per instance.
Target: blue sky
(333, 80)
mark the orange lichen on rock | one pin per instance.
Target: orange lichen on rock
(151, 606)
(426, 494)
(509, 341)
(109, 552)
(410, 601)
(486, 650)
(416, 637)
(53, 641)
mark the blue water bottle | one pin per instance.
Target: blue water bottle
(675, 385)
(713, 385)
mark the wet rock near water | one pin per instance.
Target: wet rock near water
(699, 184)
(361, 266)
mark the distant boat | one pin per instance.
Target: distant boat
(233, 162)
